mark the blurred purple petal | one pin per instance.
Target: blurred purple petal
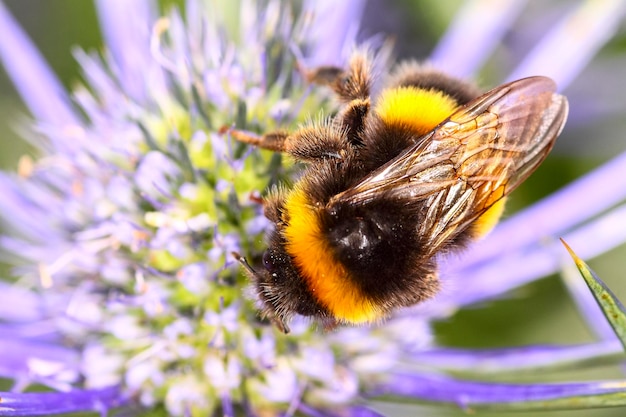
(467, 394)
(37, 360)
(354, 411)
(20, 203)
(156, 175)
(48, 403)
(362, 411)
(19, 305)
(127, 28)
(478, 40)
(227, 405)
(336, 28)
(41, 331)
(38, 86)
(526, 358)
(310, 411)
(568, 48)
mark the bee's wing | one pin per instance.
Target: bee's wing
(471, 160)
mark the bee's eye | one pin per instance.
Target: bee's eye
(268, 261)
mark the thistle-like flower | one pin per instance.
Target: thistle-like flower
(125, 292)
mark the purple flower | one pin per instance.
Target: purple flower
(124, 291)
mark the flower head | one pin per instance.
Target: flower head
(127, 223)
(122, 230)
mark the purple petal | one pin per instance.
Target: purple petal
(566, 50)
(18, 304)
(513, 359)
(156, 174)
(468, 394)
(43, 404)
(354, 411)
(24, 205)
(21, 357)
(38, 86)
(227, 405)
(335, 28)
(40, 331)
(310, 411)
(362, 411)
(479, 39)
(126, 26)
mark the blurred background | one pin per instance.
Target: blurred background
(540, 313)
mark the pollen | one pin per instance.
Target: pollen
(420, 109)
(328, 280)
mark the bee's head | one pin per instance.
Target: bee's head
(281, 289)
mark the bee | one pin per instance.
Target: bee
(391, 183)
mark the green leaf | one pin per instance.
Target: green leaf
(612, 308)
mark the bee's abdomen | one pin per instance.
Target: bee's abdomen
(357, 263)
(361, 243)
(379, 247)
(327, 280)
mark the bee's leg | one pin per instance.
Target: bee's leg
(330, 138)
(351, 84)
(329, 324)
(273, 204)
(353, 118)
(273, 141)
(353, 88)
(310, 143)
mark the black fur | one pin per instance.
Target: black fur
(352, 119)
(422, 76)
(379, 246)
(383, 143)
(280, 286)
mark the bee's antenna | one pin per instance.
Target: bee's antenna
(245, 263)
(277, 320)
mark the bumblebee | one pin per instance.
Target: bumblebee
(390, 184)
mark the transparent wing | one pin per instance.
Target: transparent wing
(478, 155)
